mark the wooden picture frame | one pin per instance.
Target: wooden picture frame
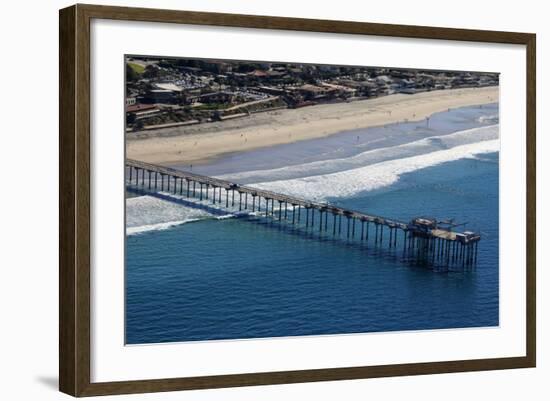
(74, 203)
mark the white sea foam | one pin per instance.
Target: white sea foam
(351, 182)
(320, 180)
(156, 227)
(491, 119)
(148, 213)
(370, 157)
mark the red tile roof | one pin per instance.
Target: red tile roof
(133, 108)
(259, 73)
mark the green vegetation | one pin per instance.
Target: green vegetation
(137, 68)
(131, 74)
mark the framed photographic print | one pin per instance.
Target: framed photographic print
(250, 200)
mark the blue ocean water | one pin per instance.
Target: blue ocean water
(233, 278)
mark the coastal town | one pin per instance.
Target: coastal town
(171, 93)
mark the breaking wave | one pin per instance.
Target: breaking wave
(423, 146)
(348, 183)
(320, 180)
(148, 213)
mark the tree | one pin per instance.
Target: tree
(131, 75)
(151, 71)
(216, 116)
(130, 118)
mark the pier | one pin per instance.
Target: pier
(423, 240)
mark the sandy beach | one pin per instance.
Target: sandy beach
(199, 143)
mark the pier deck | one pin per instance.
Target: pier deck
(294, 201)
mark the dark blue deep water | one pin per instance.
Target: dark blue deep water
(243, 278)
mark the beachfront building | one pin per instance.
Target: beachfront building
(160, 96)
(140, 111)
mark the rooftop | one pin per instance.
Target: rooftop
(133, 108)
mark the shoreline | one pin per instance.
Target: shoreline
(202, 143)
